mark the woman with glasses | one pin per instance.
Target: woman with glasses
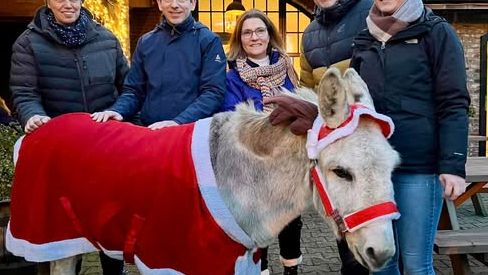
(65, 62)
(260, 68)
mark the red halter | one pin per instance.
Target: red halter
(321, 136)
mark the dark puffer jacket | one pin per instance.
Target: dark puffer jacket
(328, 39)
(48, 78)
(418, 78)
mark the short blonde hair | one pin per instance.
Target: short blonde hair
(235, 46)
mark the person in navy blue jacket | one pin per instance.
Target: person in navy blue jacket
(177, 73)
(260, 68)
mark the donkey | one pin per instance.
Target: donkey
(263, 177)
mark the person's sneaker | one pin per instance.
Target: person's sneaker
(290, 270)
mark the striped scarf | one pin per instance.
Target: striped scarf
(268, 79)
(384, 27)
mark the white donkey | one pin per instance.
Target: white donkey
(82, 186)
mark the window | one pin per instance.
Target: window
(290, 21)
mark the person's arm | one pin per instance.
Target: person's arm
(233, 95)
(212, 85)
(27, 99)
(134, 90)
(452, 101)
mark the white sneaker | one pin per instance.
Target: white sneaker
(265, 272)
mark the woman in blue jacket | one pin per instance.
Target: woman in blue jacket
(413, 64)
(260, 68)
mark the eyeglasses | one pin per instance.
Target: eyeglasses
(177, 1)
(260, 32)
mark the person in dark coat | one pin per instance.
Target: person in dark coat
(65, 62)
(327, 42)
(259, 69)
(413, 63)
(177, 72)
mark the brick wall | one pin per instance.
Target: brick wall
(470, 34)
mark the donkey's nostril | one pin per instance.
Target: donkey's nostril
(378, 256)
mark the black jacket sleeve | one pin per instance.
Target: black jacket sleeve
(23, 80)
(451, 98)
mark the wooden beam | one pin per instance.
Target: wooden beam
(20, 8)
(141, 3)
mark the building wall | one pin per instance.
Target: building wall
(470, 34)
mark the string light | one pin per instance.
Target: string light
(114, 15)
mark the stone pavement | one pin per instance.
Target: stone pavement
(320, 252)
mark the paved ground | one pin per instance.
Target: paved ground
(320, 252)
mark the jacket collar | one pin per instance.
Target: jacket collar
(335, 13)
(424, 24)
(187, 25)
(40, 25)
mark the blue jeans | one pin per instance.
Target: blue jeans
(419, 200)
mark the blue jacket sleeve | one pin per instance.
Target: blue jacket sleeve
(212, 84)
(234, 94)
(134, 90)
(452, 98)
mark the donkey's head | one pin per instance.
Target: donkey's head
(354, 162)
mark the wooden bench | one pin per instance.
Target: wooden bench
(459, 243)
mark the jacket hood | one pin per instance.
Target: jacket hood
(40, 25)
(424, 24)
(334, 13)
(187, 25)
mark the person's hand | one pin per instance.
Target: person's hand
(162, 124)
(453, 185)
(105, 116)
(300, 114)
(35, 122)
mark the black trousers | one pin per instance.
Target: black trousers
(349, 264)
(289, 241)
(111, 266)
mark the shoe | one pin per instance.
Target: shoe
(265, 272)
(290, 270)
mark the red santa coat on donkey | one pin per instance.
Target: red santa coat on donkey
(148, 195)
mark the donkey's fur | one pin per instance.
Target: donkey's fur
(262, 171)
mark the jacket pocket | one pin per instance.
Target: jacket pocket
(417, 107)
(100, 67)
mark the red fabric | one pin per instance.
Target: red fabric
(105, 177)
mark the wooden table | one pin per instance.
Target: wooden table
(477, 177)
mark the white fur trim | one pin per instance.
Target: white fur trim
(144, 269)
(48, 251)
(291, 262)
(17, 145)
(114, 254)
(208, 186)
(314, 145)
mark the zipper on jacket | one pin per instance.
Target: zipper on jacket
(80, 73)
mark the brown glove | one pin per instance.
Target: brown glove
(298, 113)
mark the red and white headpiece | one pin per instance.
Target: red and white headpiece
(320, 135)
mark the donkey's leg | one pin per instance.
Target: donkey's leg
(66, 266)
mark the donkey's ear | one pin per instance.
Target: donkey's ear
(358, 89)
(332, 94)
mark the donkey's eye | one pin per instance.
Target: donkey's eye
(342, 173)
